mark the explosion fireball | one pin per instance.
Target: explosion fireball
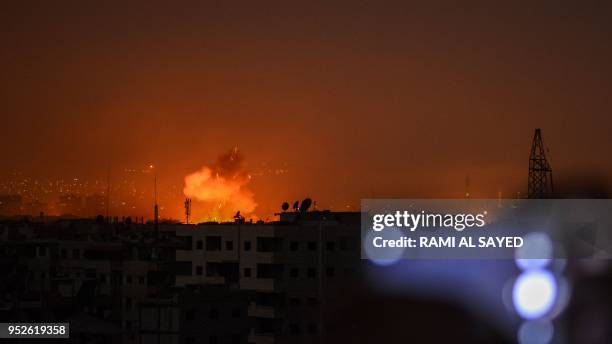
(221, 188)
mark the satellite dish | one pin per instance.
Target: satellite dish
(285, 206)
(306, 203)
(296, 205)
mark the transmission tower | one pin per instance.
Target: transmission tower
(187, 210)
(540, 184)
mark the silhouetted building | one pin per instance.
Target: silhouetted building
(208, 283)
(299, 269)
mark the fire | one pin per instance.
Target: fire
(221, 188)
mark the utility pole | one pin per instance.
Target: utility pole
(155, 207)
(540, 182)
(187, 210)
(156, 212)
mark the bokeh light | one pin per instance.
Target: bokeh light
(384, 255)
(536, 332)
(534, 293)
(536, 252)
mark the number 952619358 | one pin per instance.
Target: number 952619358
(30, 330)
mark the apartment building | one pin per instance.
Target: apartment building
(297, 268)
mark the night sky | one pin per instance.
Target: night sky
(333, 101)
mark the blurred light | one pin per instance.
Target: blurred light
(536, 251)
(384, 255)
(563, 297)
(507, 295)
(534, 293)
(536, 332)
(558, 264)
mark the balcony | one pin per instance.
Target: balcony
(213, 279)
(259, 284)
(268, 257)
(261, 338)
(259, 311)
(182, 281)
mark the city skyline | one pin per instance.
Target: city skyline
(351, 102)
(306, 172)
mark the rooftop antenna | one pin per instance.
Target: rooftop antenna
(540, 182)
(306, 203)
(284, 208)
(238, 217)
(187, 209)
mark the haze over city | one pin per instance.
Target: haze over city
(366, 100)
